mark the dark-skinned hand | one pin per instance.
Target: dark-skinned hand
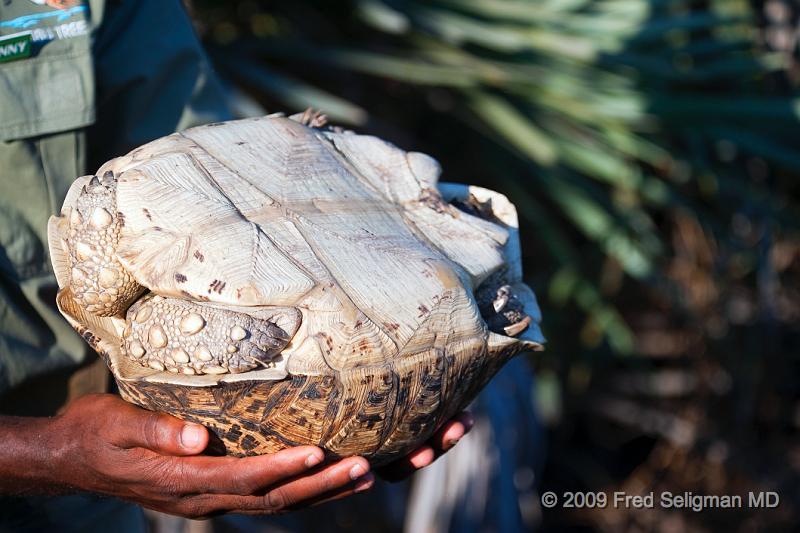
(104, 445)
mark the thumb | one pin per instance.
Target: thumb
(163, 434)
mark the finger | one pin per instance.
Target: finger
(450, 433)
(402, 468)
(444, 439)
(205, 506)
(363, 484)
(159, 432)
(329, 481)
(421, 457)
(247, 475)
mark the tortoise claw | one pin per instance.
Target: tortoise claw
(515, 329)
(278, 333)
(261, 356)
(312, 118)
(272, 341)
(503, 294)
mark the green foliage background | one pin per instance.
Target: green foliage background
(652, 148)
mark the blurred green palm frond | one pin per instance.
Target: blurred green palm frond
(613, 114)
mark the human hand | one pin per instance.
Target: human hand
(443, 440)
(111, 447)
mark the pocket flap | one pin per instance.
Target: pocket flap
(52, 90)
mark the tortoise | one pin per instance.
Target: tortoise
(284, 282)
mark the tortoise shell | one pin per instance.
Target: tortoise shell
(285, 283)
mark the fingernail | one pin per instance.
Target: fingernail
(192, 435)
(452, 442)
(365, 483)
(313, 460)
(356, 472)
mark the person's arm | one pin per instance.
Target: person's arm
(105, 445)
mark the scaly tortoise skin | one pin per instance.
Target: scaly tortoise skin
(286, 283)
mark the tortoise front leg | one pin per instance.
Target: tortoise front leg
(99, 283)
(181, 336)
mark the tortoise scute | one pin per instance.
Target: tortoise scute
(302, 285)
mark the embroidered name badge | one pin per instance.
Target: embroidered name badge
(46, 20)
(17, 46)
